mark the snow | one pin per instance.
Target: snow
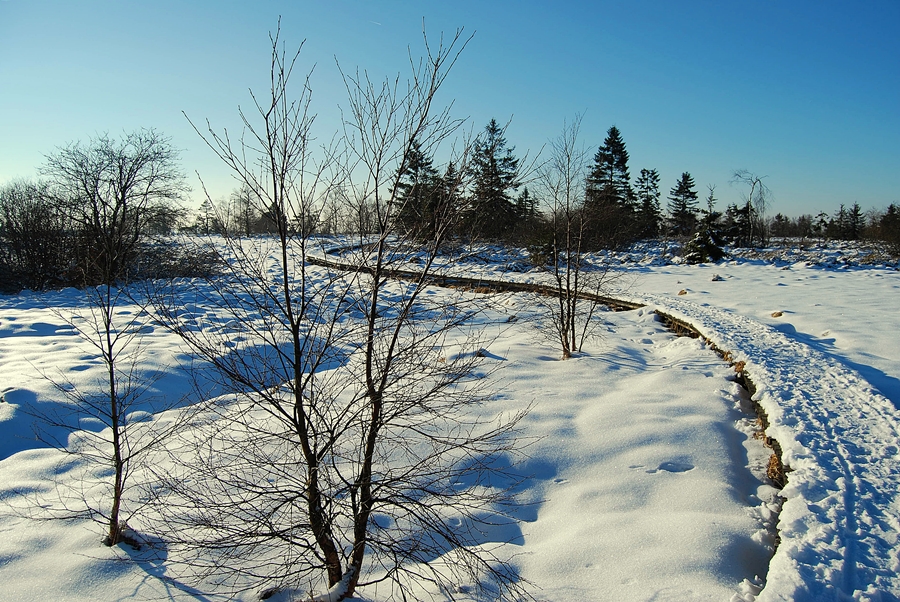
(645, 480)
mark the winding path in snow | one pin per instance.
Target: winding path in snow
(840, 438)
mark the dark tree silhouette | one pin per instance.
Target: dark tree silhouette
(495, 175)
(648, 209)
(683, 207)
(113, 190)
(609, 199)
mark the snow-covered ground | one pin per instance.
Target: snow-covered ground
(645, 481)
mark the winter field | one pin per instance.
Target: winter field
(644, 475)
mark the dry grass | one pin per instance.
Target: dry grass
(775, 471)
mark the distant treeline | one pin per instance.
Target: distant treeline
(101, 211)
(95, 217)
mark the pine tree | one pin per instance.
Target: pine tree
(781, 226)
(451, 195)
(855, 222)
(526, 205)
(647, 190)
(207, 221)
(609, 181)
(417, 192)
(609, 199)
(683, 206)
(889, 228)
(273, 220)
(706, 244)
(837, 226)
(710, 217)
(495, 171)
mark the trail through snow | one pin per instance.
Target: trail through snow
(841, 439)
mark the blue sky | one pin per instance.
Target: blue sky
(806, 93)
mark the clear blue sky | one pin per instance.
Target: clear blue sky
(804, 92)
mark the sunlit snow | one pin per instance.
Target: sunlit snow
(643, 478)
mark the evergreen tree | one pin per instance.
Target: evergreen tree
(855, 223)
(703, 248)
(737, 224)
(804, 226)
(820, 227)
(272, 221)
(609, 181)
(706, 244)
(495, 173)
(417, 194)
(781, 226)
(207, 221)
(647, 189)
(837, 225)
(451, 195)
(889, 228)
(609, 199)
(683, 206)
(526, 205)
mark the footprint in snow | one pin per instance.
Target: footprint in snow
(673, 467)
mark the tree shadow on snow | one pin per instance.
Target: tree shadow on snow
(34, 421)
(268, 365)
(151, 558)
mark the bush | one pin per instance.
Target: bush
(35, 238)
(167, 258)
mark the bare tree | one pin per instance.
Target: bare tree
(114, 190)
(104, 422)
(757, 201)
(245, 209)
(111, 191)
(35, 237)
(348, 453)
(578, 283)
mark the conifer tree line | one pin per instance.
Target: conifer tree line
(616, 210)
(99, 208)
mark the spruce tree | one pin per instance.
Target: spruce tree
(526, 205)
(495, 173)
(706, 244)
(889, 228)
(609, 199)
(683, 206)
(855, 222)
(609, 181)
(647, 190)
(417, 192)
(737, 224)
(781, 226)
